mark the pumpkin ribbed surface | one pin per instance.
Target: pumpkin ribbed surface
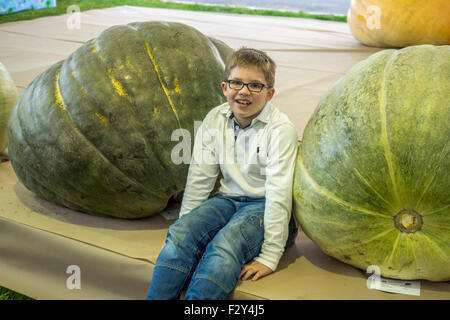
(400, 23)
(94, 132)
(372, 183)
(8, 96)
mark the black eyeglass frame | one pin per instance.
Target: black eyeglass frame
(246, 84)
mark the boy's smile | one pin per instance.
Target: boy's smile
(245, 104)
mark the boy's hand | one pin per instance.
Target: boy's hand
(255, 269)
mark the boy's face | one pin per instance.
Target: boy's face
(245, 104)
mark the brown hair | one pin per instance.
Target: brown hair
(252, 57)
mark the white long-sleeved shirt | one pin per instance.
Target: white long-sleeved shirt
(258, 162)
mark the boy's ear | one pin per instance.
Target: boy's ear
(224, 88)
(270, 93)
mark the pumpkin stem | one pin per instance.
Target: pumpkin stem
(408, 221)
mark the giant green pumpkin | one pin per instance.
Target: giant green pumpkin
(94, 132)
(8, 95)
(372, 177)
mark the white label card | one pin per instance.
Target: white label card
(397, 286)
(375, 281)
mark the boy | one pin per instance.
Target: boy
(240, 232)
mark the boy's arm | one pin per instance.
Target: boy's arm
(203, 171)
(282, 152)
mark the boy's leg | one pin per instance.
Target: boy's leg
(185, 243)
(234, 245)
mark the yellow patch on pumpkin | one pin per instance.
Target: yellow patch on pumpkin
(102, 118)
(118, 86)
(58, 97)
(130, 66)
(163, 86)
(177, 85)
(361, 18)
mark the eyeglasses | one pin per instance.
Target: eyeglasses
(252, 86)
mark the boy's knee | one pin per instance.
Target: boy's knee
(241, 241)
(186, 235)
(183, 226)
(175, 232)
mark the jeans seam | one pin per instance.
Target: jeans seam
(222, 286)
(218, 212)
(168, 265)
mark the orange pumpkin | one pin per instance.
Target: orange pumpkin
(400, 23)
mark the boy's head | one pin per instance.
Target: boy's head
(245, 57)
(248, 83)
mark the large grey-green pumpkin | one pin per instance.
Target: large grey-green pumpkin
(8, 96)
(94, 132)
(372, 178)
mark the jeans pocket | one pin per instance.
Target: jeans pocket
(253, 232)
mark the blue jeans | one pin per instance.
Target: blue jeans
(207, 248)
